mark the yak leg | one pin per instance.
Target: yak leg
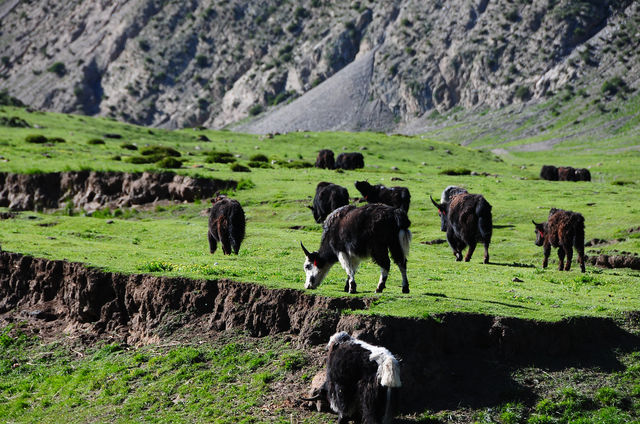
(561, 258)
(547, 252)
(381, 257)
(346, 285)
(455, 244)
(486, 252)
(472, 248)
(350, 265)
(223, 232)
(213, 244)
(569, 250)
(581, 258)
(397, 254)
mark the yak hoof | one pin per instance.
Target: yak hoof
(486, 260)
(379, 290)
(354, 291)
(405, 289)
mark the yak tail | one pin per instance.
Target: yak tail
(485, 222)
(404, 235)
(389, 372)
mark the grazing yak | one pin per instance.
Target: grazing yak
(351, 234)
(564, 230)
(360, 380)
(398, 197)
(226, 224)
(350, 161)
(466, 219)
(328, 198)
(549, 172)
(325, 159)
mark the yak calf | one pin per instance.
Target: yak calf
(325, 159)
(328, 198)
(466, 219)
(360, 380)
(398, 197)
(564, 230)
(226, 225)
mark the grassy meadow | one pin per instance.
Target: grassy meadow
(235, 378)
(170, 239)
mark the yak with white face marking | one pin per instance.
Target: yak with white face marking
(359, 381)
(351, 234)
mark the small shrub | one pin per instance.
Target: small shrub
(129, 146)
(202, 61)
(169, 162)
(58, 68)
(259, 164)
(14, 122)
(57, 140)
(144, 45)
(255, 110)
(294, 361)
(144, 159)
(455, 171)
(523, 93)
(259, 158)
(35, 139)
(613, 86)
(159, 150)
(622, 182)
(245, 184)
(117, 158)
(236, 167)
(219, 157)
(296, 164)
(95, 141)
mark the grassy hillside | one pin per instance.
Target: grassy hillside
(170, 239)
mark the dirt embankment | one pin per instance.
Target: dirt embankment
(447, 361)
(91, 190)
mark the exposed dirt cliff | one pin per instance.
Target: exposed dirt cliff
(446, 360)
(91, 190)
(188, 63)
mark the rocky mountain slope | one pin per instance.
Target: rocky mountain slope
(174, 63)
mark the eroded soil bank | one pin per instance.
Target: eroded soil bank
(91, 190)
(447, 361)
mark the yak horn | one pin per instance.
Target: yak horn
(534, 222)
(306, 252)
(434, 202)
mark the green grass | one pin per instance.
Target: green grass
(275, 201)
(233, 378)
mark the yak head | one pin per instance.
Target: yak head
(315, 268)
(365, 189)
(443, 209)
(541, 230)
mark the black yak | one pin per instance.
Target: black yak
(549, 172)
(566, 173)
(226, 225)
(350, 161)
(351, 234)
(582, 174)
(466, 219)
(564, 230)
(325, 159)
(360, 380)
(398, 197)
(328, 198)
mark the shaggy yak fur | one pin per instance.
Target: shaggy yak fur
(351, 234)
(549, 172)
(360, 381)
(226, 225)
(350, 161)
(564, 230)
(398, 197)
(328, 198)
(325, 159)
(467, 220)
(451, 191)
